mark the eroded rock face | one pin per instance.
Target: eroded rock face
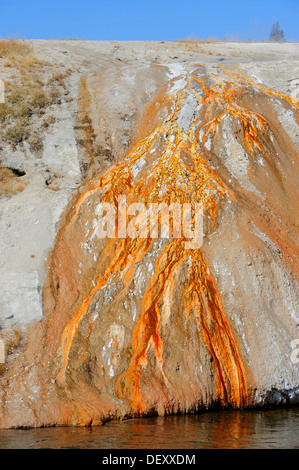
(137, 326)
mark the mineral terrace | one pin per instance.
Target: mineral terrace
(111, 328)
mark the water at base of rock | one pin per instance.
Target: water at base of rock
(226, 429)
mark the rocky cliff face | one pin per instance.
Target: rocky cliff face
(141, 325)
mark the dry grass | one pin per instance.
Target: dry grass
(26, 94)
(22, 101)
(193, 40)
(48, 121)
(10, 183)
(59, 77)
(10, 48)
(18, 53)
(26, 63)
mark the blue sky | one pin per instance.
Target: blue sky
(148, 20)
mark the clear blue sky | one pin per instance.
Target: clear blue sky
(147, 20)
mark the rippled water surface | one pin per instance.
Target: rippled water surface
(226, 429)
